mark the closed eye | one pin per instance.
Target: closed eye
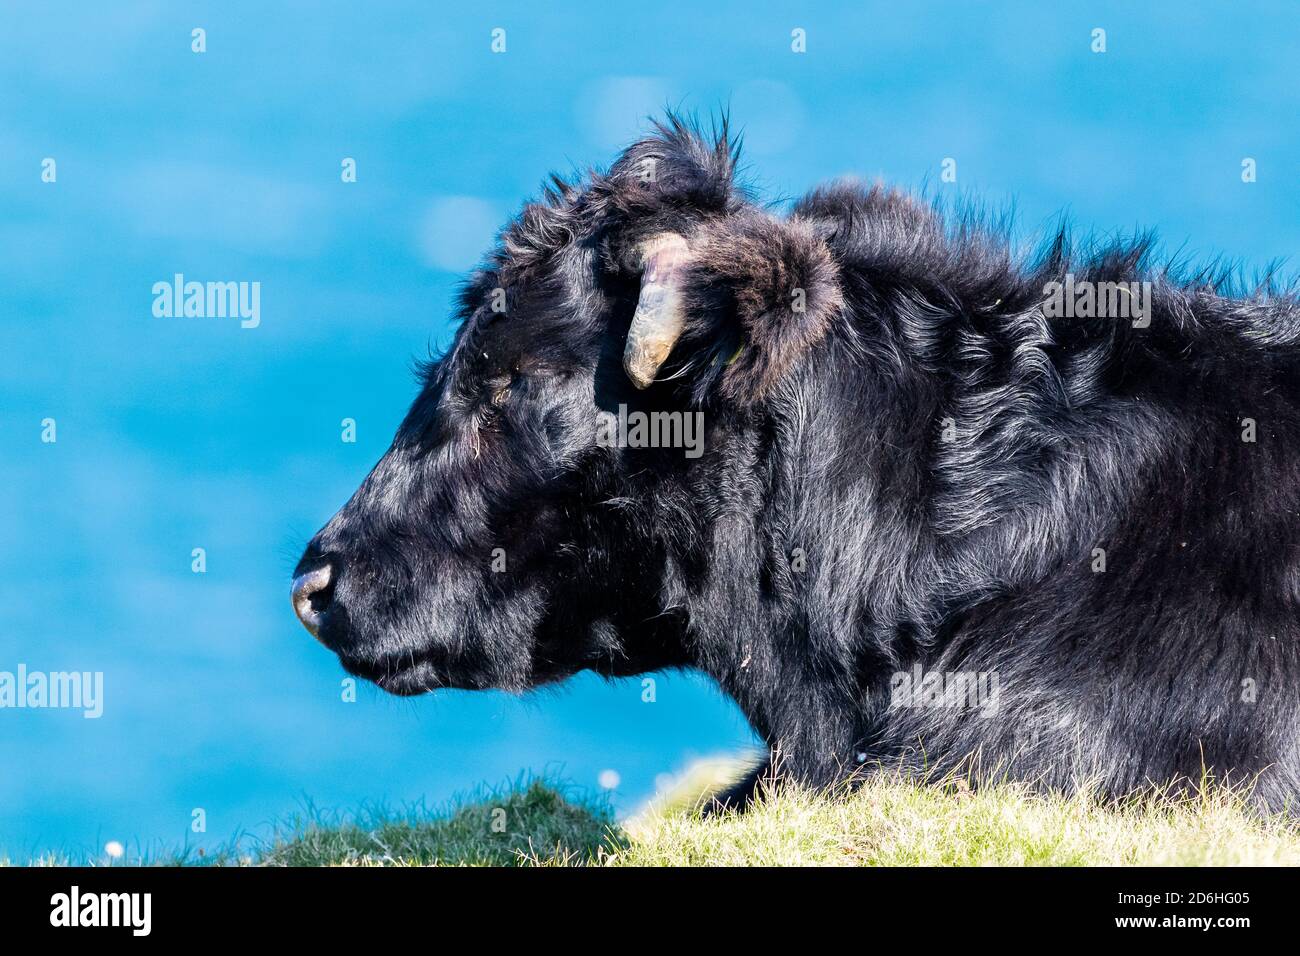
(499, 388)
(501, 391)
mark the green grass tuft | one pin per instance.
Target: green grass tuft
(529, 824)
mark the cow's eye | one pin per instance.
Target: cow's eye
(500, 390)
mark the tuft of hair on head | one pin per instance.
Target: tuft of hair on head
(674, 180)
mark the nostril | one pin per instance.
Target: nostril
(320, 600)
(312, 593)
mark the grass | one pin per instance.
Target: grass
(531, 822)
(885, 822)
(891, 822)
(534, 823)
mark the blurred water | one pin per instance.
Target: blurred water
(182, 433)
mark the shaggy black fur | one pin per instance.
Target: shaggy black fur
(917, 474)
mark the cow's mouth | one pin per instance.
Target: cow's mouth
(406, 675)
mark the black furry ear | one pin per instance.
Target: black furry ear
(759, 294)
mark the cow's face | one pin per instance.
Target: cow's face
(509, 537)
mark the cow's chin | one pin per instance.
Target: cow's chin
(422, 671)
(420, 679)
(405, 676)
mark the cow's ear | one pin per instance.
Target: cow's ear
(758, 295)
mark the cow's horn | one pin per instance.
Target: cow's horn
(658, 320)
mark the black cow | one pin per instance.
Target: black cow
(945, 506)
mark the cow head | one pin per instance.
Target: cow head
(501, 541)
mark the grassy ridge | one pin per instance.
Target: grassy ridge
(892, 823)
(533, 823)
(883, 823)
